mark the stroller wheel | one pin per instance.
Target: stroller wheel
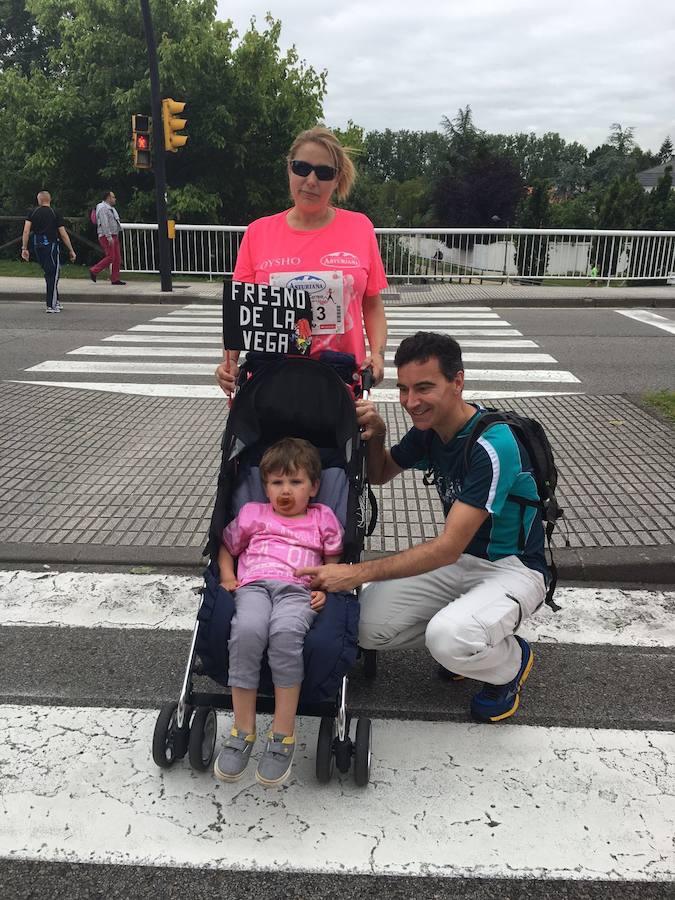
(202, 742)
(369, 663)
(363, 747)
(325, 761)
(168, 741)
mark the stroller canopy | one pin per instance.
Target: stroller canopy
(294, 397)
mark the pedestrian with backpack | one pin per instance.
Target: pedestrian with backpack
(463, 594)
(108, 230)
(44, 230)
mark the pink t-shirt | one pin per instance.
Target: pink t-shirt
(347, 244)
(270, 546)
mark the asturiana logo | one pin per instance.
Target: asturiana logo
(310, 283)
(340, 259)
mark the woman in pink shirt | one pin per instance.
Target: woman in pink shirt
(274, 608)
(327, 250)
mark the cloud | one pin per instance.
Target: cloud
(521, 66)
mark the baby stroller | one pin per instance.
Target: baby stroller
(286, 397)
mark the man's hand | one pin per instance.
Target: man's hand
(333, 577)
(369, 420)
(25, 254)
(72, 256)
(317, 600)
(229, 582)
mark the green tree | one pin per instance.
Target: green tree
(22, 44)
(665, 153)
(656, 203)
(535, 209)
(245, 102)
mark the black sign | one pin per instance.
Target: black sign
(266, 319)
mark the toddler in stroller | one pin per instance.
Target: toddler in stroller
(274, 607)
(306, 399)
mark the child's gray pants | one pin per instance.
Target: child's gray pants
(272, 615)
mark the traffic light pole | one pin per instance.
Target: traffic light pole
(159, 158)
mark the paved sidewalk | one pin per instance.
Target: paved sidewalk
(75, 290)
(89, 477)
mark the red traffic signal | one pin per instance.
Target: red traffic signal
(140, 142)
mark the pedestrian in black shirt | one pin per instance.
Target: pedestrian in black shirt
(46, 225)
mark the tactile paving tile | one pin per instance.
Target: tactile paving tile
(97, 468)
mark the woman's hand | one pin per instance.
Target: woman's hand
(375, 362)
(317, 600)
(229, 582)
(226, 374)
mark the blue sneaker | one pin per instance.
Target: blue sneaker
(499, 701)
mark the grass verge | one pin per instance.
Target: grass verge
(663, 402)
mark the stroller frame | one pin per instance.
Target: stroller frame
(188, 726)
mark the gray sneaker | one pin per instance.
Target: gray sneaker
(233, 758)
(274, 765)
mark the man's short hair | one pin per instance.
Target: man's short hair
(289, 456)
(43, 195)
(106, 194)
(424, 345)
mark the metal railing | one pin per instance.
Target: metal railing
(491, 254)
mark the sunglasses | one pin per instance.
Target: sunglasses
(303, 169)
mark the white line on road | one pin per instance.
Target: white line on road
(179, 329)
(213, 392)
(119, 600)
(508, 344)
(500, 375)
(391, 395)
(404, 318)
(164, 339)
(466, 330)
(460, 323)
(217, 355)
(96, 796)
(134, 389)
(648, 318)
(169, 368)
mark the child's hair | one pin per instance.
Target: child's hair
(288, 456)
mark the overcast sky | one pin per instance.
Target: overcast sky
(573, 66)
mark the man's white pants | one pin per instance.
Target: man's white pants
(464, 614)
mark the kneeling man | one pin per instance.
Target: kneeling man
(463, 594)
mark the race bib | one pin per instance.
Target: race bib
(326, 293)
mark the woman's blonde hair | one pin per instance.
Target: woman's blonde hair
(339, 154)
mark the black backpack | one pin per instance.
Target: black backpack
(532, 436)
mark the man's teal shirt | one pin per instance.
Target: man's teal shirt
(498, 466)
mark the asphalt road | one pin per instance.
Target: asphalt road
(610, 353)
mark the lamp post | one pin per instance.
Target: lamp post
(158, 142)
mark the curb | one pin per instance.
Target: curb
(644, 565)
(182, 295)
(149, 299)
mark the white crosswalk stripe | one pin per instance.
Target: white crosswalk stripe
(611, 616)
(174, 355)
(577, 805)
(649, 318)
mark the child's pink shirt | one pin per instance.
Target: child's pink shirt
(347, 244)
(270, 546)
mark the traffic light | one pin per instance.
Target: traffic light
(172, 124)
(140, 142)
